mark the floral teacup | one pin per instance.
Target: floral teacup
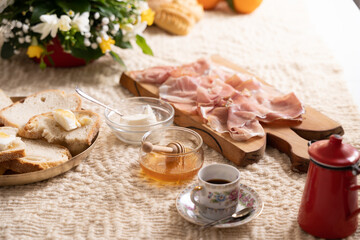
(217, 193)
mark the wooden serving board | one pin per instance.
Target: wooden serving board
(288, 136)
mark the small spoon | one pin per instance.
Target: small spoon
(85, 95)
(242, 213)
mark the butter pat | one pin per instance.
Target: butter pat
(6, 141)
(66, 119)
(147, 117)
(84, 120)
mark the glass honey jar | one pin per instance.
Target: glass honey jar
(174, 166)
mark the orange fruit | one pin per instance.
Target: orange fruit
(244, 6)
(208, 4)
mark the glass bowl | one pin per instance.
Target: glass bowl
(133, 134)
(172, 167)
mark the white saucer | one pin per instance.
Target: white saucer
(248, 198)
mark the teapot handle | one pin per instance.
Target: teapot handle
(357, 211)
(354, 187)
(355, 169)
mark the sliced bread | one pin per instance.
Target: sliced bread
(40, 155)
(11, 146)
(3, 168)
(19, 113)
(4, 100)
(44, 126)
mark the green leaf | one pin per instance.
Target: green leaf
(124, 45)
(117, 59)
(141, 42)
(42, 64)
(7, 51)
(50, 60)
(87, 54)
(119, 41)
(74, 5)
(41, 9)
(106, 11)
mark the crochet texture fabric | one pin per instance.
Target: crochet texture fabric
(107, 196)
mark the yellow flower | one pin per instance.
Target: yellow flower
(148, 16)
(105, 45)
(34, 51)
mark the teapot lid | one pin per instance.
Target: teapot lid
(333, 152)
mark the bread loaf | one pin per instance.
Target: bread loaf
(3, 168)
(4, 100)
(40, 155)
(19, 113)
(44, 126)
(178, 17)
(15, 149)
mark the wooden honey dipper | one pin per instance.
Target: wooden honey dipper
(173, 147)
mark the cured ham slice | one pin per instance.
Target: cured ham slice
(287, 107)
(229, 102)
(198, 68)
(154, 75)
(159, 74)
(241, 125)
(181, 92)
(190, 93)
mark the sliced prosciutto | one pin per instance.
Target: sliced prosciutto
(154, 75)
(181, 92)
(228, 101)
(241, 125)
(159, 74)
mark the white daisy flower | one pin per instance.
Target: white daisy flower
(64, 23)
(48, 26)
(81, 22)
(143, 6)
(138, 29)
(116, 27)
(5, 4)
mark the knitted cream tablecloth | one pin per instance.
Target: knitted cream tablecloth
(107, 197)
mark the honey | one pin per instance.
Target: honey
(171, 168)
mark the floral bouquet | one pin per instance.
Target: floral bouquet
(86, 29)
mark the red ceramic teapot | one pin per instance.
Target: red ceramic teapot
(329, 205)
